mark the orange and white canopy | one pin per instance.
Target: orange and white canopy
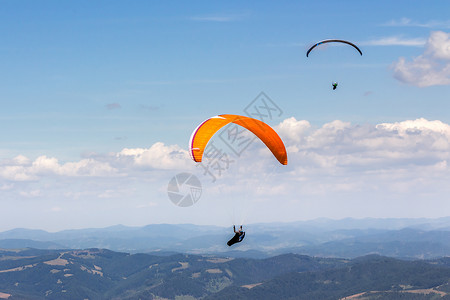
(204, 132)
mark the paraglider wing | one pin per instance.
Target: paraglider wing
(333, 41)
(204, 132)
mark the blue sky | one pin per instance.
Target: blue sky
(80, 82)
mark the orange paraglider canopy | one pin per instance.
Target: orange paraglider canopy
(203, 133)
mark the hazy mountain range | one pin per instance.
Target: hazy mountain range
(347, 238)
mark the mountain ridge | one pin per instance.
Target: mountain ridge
(325, 237)
(104, 274)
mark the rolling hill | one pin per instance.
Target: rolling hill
(105, 274)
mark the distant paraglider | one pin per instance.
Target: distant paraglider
(238, 236)
(332, 41)
(334, 84)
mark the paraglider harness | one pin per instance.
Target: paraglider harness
(334, 84)
(238, 236)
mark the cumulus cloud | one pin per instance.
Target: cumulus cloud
(418, 125)
(439, 45)
(337, 158)
(336, 146)
(158, 156)
(21, 160)
(367, 148)
(337, 169)
(351, 151)
(362, 169)
(293, 129)
(342, 165)
(407, 157)
(430, 68)
(25, 170)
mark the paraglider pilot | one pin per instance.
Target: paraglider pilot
(238, 236)
(334, 84)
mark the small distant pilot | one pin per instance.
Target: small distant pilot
(238, 236)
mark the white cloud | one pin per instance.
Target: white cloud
(430, 68)
(293, 129)
(158, 156)
(406, 22)
(21, 160)
(87, 167)
(15, 173)
(356, 169)
(336, 146)
(345, 161)
(395, 41)
(24, 169)
(337, 169)
(44, 165)
(341, 146)
(416, 125)
(438, 45)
